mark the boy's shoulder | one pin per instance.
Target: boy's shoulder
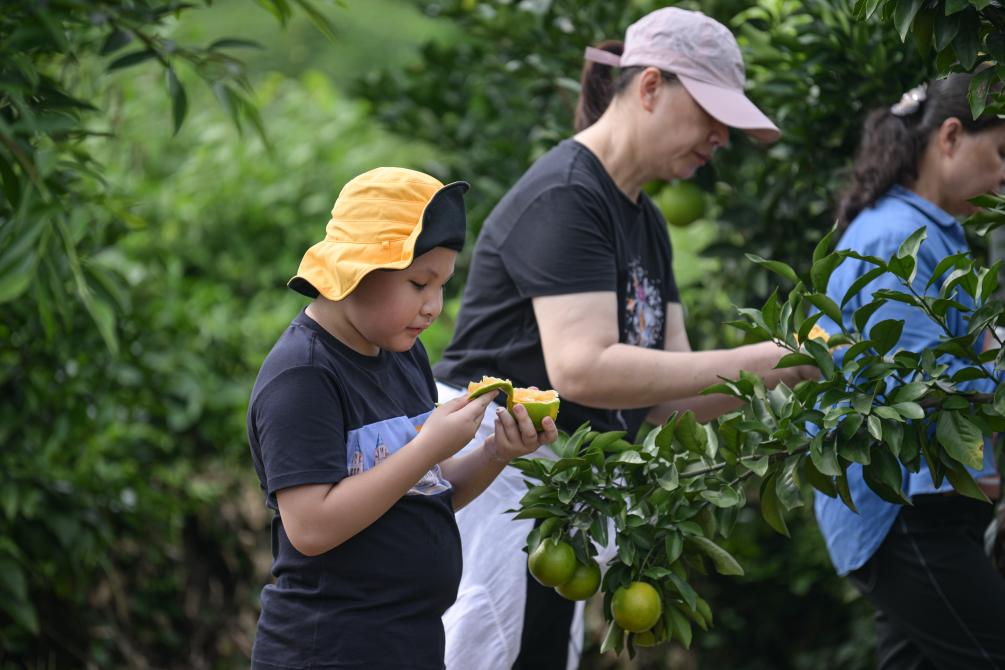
(304, 344)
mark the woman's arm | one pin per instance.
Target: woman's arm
(705, 407)
(587, 364)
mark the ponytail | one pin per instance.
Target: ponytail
(888, 154)
(894, 140)
(596, 87)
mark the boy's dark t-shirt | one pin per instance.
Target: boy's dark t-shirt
(320, 412)
(565, 227)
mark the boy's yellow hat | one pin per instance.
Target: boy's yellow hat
(382, 220)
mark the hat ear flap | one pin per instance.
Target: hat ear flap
(444, 220)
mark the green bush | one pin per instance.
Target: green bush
(133, 532)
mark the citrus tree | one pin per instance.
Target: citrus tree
(669, 495)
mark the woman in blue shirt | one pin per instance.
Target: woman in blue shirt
(939, 602)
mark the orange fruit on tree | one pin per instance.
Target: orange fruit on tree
(682, 203)
(552, 563)
(636, 607)
(584, 582)
(645, 639)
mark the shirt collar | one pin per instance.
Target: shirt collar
(929, 209)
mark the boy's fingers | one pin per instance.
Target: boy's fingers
(527, 431)
(549, 430)
(477, 406)
(454, 404)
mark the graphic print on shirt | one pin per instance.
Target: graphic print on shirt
(644, 308)
(368, 446)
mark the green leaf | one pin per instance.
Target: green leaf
(132, 58)
(794, 359)
(961, 439)
(999, 400)
(823, 247)
(680, 625)
(841, 483)
(825, 305)
(825, 458)
(964, 482)
(909, 410)
(614, 640)
(179, 101)
(893, 435)
(771, 508)
(887, 413)
(686, 591)
(980, 89)
(945, 31)
(886, 334)
(860, 283)
(967, 42)
(669, 479)
(726, 497)
(953, 6)
(863, 313)
(674, 544)
(318, 18)
(908, 392)
(822, 270)
(875, 427)
(903, 16)
(821, 357)
(233, 43)
(690, 433)
(779, 268)
(116, 39)
(884, 476)
(817, 479)
(723, 561)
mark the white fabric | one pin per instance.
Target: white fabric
(484, 625)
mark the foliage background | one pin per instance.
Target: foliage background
(132, 532)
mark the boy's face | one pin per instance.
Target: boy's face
(389, 309)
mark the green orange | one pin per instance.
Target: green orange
(636, 607)
(584, 582)
(645, 639)
(682, 203)
(538, 404)
(553, 562)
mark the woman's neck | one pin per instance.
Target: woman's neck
(612, 141)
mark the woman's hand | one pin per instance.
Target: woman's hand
(516, 436)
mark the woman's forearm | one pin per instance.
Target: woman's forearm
(622, 376)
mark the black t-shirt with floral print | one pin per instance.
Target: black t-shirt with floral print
(563, 228)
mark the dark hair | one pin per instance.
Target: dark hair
(598, 86)
(892, 146)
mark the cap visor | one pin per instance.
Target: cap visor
(732, 108)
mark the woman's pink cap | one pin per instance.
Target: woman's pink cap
(704, 55)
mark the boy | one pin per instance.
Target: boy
(348, 447)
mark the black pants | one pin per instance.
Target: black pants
(940, 604)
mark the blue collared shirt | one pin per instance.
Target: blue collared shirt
(879, 231)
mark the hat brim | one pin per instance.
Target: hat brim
(732, 108)
(334, 270)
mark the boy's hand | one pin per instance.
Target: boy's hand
(454, 423)
(517, 436)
